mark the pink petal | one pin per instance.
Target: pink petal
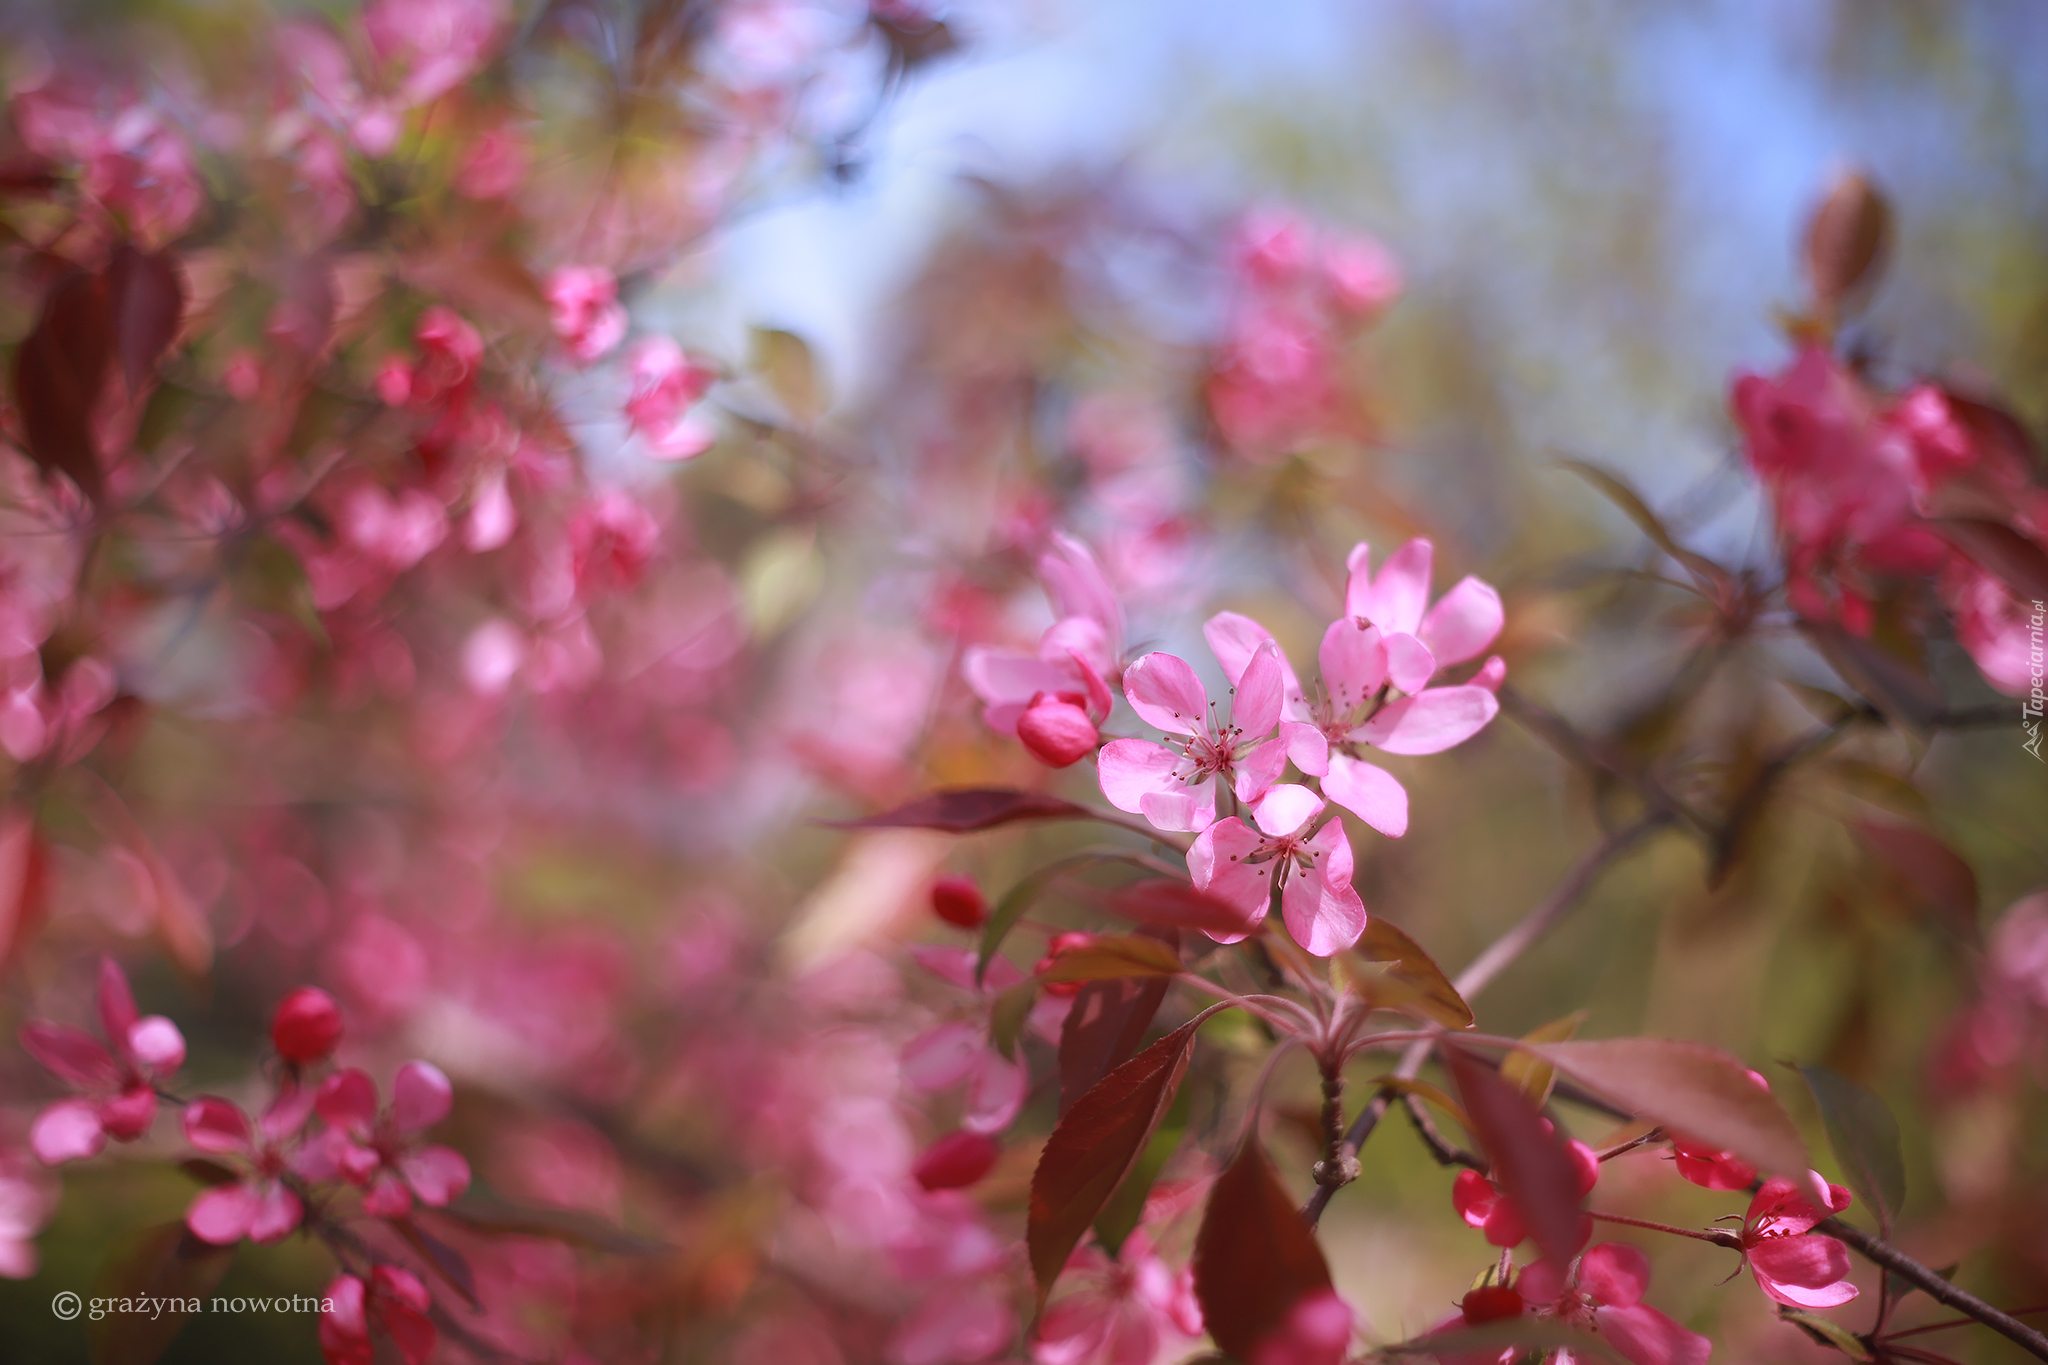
(1255, 708)
(68, 1130)
(1075, 582)
(1431, 722)
(71, 1054)
(941, 1056)
(117, 1002)
(155, 1043)
(128, 1114)
(348, 1099)
(420, 1097)
(1491, 674)
(288, 1112)
(1260, 769)
(1217, 865)
(1806, 1271)
(277, 1211)
(1410, 665)
(1079, 638)
(1307, 746)
(995, 1094)
(1394, 598)
(1463, 622)
(1646, 1337)
(1234, 639)
(1286, 808)
(1003, 676)
(1354, 663)
(1131, 769)
(223, 1214)
(1781, 1207)
(215, 1125)
(1165, 692)
(402, 1287)
(1615, 1273)
(1322, 912)
(1188, 810)
(388, 1196)
(1369, 792)
(953, 1325)
(437, 1174)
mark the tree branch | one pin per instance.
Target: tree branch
(1881, 1252)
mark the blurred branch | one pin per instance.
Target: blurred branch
(1881, 1252)
(1598, 757)
(1488, 965)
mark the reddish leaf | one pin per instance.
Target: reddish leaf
(962, 810)
(24, 879)
(1169, 903)
(58, 372)
(2000, 551)
(451, 1264)
(165, 1262)
(146, 301)
(1107, 1022)
(1530, 1163)
(1846, 240)
(1094, 1145)
(1895, 686)
(1390, 969)
(1108, 956)
(1698, 1090)
(1255, 1258)
(1934, 873)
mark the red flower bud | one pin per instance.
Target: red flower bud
(1492, 1303)
(1057, 730)
(307, 1025)
(1060, 944)
(956, 1161)
(957, 900)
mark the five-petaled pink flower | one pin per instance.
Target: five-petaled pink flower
(1312, 867)
(1389, 640)
(260, 1206)
(120, 1086)
(1122, 1311)
(394, 1302)
(1172, 784)
(382, 1151)
(1792, 1263)
(1604, 1296)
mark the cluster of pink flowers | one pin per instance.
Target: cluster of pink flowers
(1278, 379)
(1863, 485)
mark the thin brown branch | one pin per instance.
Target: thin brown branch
(1484, 968)
(1445, 1152)
(1597, 756)
(1881, 1252)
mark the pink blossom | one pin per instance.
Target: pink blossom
(1792, 1263)
(1119, 1312)
(120, 1086)
(432, 45)
(259, 1206)
(1311, 866)
(957, 1324)
(1604, 1296)
(1171, 784)
(1995, 627)
(1385, 643)
(1482, 1204)
(394, 1303)
(584, 307)
(1064, 687)
(958, 1052)
(381, 1151)
(495, 165)
(666, 385)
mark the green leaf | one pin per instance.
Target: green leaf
(1007, 1014)
(1865, 1138)
(1827, 1332)
(1016, 901)
(1527, 1071)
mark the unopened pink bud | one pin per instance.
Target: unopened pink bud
(1057, 731)
(307, 1025)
